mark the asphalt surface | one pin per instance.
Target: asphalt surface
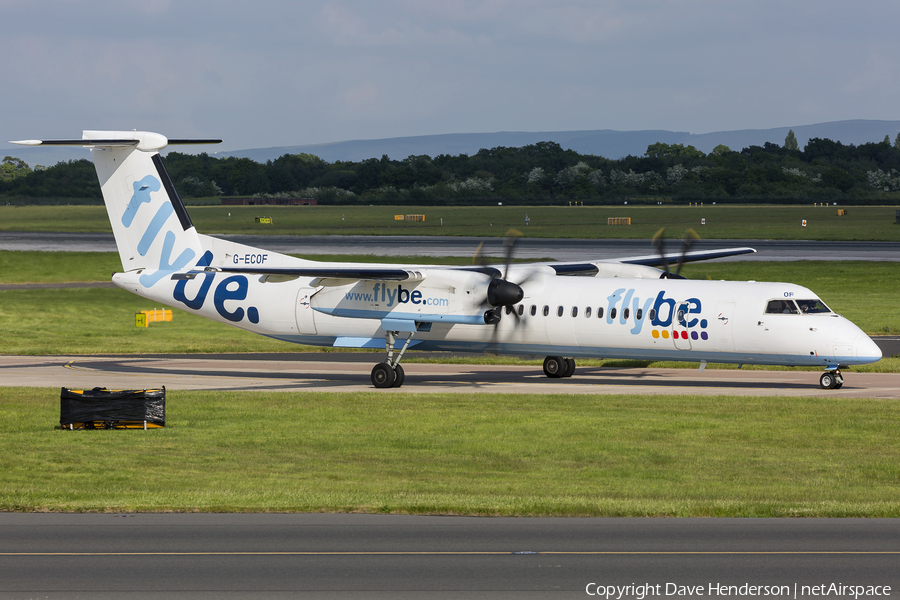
(155, 556)
(526, 248)
(340, 372)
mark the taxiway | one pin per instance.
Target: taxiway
(350, 372)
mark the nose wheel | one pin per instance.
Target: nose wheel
(831, 380)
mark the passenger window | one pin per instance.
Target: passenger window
(574, 311)
(559, 311)
(600, 313)
(612, 313)
(640, 314)
(625, 313)
(521, 309)
(652, 314)
(587, 312)
(533, 310)
(546, 310)
(781, 307)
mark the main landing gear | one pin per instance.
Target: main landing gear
(389, 373)
(557, 366)
(831, 380)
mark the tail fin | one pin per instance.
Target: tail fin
(152, 228)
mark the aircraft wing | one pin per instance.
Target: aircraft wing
(381, 273)
(374, 273)
(651, 260)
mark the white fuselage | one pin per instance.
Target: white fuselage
(643, 319)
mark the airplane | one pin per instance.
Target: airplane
(624, 309)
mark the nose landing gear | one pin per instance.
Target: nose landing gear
(831, 380)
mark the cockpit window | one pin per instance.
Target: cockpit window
(778, 307)
(812, 306)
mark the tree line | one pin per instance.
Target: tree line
(542, 173)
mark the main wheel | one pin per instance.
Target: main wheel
(828, 381)
(399, 376)
(554, 366)
(570, 367)
(382, 375)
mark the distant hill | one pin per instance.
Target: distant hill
(601, 142)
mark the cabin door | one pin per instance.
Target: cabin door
(681, 332)
(305, 314)
(722, 328)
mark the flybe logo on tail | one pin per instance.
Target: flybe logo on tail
(142, 195)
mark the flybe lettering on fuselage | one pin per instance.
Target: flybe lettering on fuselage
(142, 191)
(390, 296)
(662, 312)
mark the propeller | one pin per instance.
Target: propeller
(658, 244)
(500, 291)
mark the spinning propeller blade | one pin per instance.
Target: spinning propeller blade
(658, 243)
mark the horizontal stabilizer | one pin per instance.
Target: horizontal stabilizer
(142, 140)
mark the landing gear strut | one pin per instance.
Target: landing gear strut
(389, 373)
(557, 366)
(831, 380)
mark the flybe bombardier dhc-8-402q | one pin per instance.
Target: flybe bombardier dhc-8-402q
(624, 308)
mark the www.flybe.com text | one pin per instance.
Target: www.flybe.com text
(391, 296)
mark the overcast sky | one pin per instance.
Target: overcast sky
(289, 72)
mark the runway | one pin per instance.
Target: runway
(395, 557)
(526, 248)
(333, 372)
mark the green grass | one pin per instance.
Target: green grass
(57, 267)
(722, 222)
(102, 321)
(462, 454)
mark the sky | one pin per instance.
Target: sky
(295, 72)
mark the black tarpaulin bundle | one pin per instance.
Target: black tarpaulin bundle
(101, 408)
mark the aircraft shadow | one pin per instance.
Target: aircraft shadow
(487, 379)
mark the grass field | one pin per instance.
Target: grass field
(722, 222)
(458, 454)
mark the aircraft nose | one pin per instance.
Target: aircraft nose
(867, 351)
